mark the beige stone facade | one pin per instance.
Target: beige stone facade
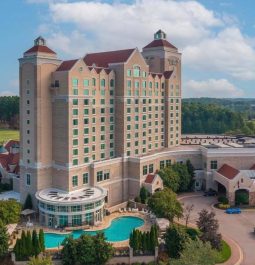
(104, 121)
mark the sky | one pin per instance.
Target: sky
(216, 37)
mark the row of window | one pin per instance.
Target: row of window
(92, 82)
(87, 159)
(103, 175)
(73, 208)
(88, 92)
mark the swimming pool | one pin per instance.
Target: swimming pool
(119, 230)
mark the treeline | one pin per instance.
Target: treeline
(29, 245)
(244, 105)
(9, 111)
(214, 119)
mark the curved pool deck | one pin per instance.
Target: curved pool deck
(116, 230)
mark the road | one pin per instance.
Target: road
(238, 227)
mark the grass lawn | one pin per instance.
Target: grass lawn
(6, 134)
(225, 253)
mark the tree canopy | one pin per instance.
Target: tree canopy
(10, 211)
(3, 239)
(87, 250)
(165, 204)
(196, 252)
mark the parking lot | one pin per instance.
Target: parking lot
(238, 227)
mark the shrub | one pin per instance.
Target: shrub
(223, 206)
(137, 199)
(242, 198)
(223, 199)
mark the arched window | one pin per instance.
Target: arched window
(103, 82)
(111, 83)
(136, 71)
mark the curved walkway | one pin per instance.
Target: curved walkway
(200, 202)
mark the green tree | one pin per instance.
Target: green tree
(3, 239)
(191, 171)
(41, 240)
(35, 242)
(28, 202)
(29, 244)
(175, 238)
(104, 250)
(40, 261)
(10, 211)
(209, 225)
(171, 178)
(143, 194)
(86, 250)
(185, 177)
(69, 251)
(195, 252)
(165, 204)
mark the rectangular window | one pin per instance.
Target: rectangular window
(129, 83)
(99, 176)
(75, 82)
(129, 72)
(75, 162)
(86, 92)
(86, 82)
(106, 175)
(168, 163)
(151, 168)
(75, 181)
(214, 164)
(145, 170)
(28, 179)
(162, 164)
(85, 178)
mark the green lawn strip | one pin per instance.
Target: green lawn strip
(6, 134)
(225, 253)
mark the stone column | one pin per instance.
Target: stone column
(252, 198)
(231, 198)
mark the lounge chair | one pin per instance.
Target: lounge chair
(120, 210)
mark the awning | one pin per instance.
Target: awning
(27, 212)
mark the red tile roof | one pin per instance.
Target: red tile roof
(103, 59)
(67, 65)
(149, 179)
(10, 144)
(160, 43)
(228, 171)
(9, 159)
(40, 48)
(253, 167)
(167, 74)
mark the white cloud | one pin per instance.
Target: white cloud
(118, 25)
(217, 88)
(228, 52)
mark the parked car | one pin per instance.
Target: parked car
(233, 211)
(209, 193)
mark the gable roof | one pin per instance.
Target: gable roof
(228, 171)
(150, 178)
(40, 48)
(160, 43)
(253, 167)
(168, 74)
(66, 65)
(11, 143)
(103, 59)
(10, 159)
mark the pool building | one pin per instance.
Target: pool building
(95, 129)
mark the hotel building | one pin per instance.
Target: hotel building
(95, 129)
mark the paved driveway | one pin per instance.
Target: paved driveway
(238, 227)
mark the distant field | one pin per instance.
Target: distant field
(6, 135)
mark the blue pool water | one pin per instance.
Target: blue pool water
(119, 230)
